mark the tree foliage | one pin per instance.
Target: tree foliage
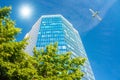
(15, 64)
(46, 64)
(53, 66)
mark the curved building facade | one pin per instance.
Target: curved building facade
(55, 28)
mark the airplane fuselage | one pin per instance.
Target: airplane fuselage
(95, 14)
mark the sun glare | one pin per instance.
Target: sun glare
(25, 11)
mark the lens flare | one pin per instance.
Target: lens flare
(25, 11)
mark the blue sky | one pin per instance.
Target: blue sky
(101, 39)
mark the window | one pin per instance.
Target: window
(63, 47)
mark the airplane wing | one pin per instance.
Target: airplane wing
(99, 18)
(91, 11)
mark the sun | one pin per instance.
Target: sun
(25, 11)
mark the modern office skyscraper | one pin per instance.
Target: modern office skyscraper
(55, 28)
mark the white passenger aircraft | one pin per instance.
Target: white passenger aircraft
(95, 14)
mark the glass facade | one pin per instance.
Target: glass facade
(55, 28)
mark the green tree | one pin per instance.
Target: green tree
(53, 66)
(15, 64)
